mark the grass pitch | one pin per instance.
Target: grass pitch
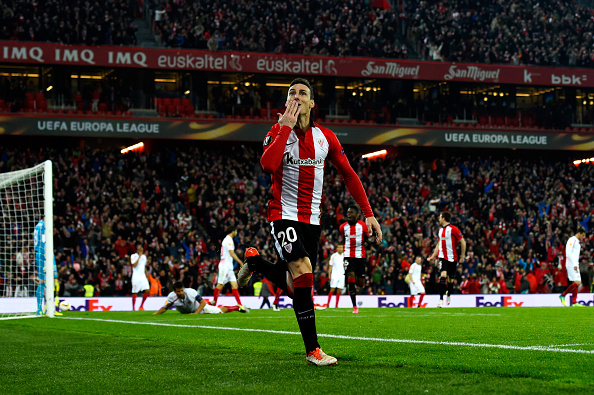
(444, 351)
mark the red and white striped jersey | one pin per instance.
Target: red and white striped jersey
(449, 236)
(296, 159)
(353, 239)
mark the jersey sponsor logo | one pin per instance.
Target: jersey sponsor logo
(267, 140)
(288, 247)
(291, 160)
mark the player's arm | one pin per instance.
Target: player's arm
(200, 308)
(274, 148)
(160, 311)
(355, 188)
(163, 309)
(569, 255)
(134, 259)
(435, 252)
(462, 250)
(235, 257)
(330, 269)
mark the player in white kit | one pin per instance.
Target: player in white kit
(415, 284)
(572, 264)
(226, 273)
(140, 282)
(188, 301)
(336, 273)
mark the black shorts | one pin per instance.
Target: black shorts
(449, 267)
(356, 265)
(294, 240)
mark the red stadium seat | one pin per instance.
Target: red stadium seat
(171, 110)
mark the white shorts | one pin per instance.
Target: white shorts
(337, 282)
(140, 284)
(416, 288)
(208, 309)
(225, 276)
(572, 275)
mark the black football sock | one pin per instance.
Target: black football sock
(442, 287)
(305, 311)
(352, 288)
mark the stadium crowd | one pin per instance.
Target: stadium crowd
(532, 32)
(176, 200)
(69, 22)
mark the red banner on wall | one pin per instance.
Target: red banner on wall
(172, 59)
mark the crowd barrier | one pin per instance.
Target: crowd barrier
(13, 305)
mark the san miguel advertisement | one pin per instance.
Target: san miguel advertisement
(424, 136)
(174, 59)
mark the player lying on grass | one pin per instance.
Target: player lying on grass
(188, 301)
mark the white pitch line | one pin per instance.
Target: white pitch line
(376, 339)
(570, 345)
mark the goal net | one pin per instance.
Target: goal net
(26, 243)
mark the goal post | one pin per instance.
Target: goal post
(27, 243)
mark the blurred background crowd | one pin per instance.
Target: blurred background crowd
(530, 32)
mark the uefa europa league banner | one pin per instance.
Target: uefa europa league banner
(256, 130)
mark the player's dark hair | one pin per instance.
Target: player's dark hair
(304, 82)
(447, 216)
(178, 285)
(581, 229)
(229, 229)
(354, 207)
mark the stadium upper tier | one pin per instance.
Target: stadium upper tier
(516, 32)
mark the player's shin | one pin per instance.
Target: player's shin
(352, 290)
(443, 287)
(305, 312)
(235, 293)
(421, 300)
(40, 295)
(216, 296)
(144, 296)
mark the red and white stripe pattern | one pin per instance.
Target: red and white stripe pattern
(449, 236)
(353, 239)
(297, 188)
